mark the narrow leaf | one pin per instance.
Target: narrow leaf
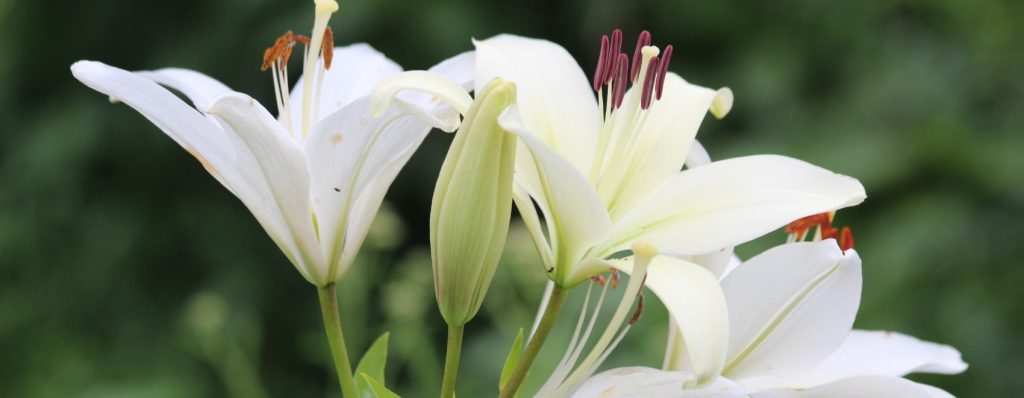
(372, 365)
(511, 360)
(375, 388)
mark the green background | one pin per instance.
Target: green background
(125, 271)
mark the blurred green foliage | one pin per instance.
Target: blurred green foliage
(125, 271)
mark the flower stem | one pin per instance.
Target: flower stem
(547, 322)
(451, 360)
(336, 340)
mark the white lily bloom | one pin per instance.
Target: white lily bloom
(605, 170)
(315, 176)
(791, 310)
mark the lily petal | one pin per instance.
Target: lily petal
(698, 156)
(555, 98)
(641, 382)
(199, 88)
(883, 354)
(575, 215)
(356, 70)
(275, 160)
(864, 387)
(353, 158)
(441, 87)
(694, 299)
(732, 201)
(790, 308)
(656, 152)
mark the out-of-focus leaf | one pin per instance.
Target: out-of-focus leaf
(511, 360)
(372, 365)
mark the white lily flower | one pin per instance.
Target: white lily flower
(315, 176)
(605, 170)
(791, 310)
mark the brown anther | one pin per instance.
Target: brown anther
(659, 85)
(279, 52)
(303, 39)
(599, 279)
(846, 239)
(602, 64)
(328, 47)
(648, 87)
(615, 278)
(639, 309)
(643, 41)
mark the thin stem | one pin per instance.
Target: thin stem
(335, 338)
(451, 361)
(547, 322)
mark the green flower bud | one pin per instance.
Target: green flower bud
(472, 205)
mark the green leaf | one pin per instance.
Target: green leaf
(511, 360)
(375, 389)
(372, 365)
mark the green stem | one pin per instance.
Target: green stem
(451, 361)
(335, 338)
(547, 322)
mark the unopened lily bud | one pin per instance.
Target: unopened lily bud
(472, 204)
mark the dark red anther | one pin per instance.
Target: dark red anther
(613, 55)
(846, 239)
(643, 41)
(619, 86)
(639, 309)
(666, 57)
(648, 90)
(601, 74)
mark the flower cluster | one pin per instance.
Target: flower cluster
(606, 184)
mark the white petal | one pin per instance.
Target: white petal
(884, 354)
(353, 158)
(658, 150)
(694, 299)
(790, 308)
(224, 155)
(698, 156)
(356, 69)
(864, 387)
(575, 215)
(201, 89)
(528, 212)
(554, 95)
(442, 89)
(278, 161)
(732, 201)
(641, 382)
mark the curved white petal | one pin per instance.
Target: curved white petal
(657, 151)
(732, 201)
(278, 161)
(641, 382)
(528, 212)
(789, 308)
(353, 158)
(864, 387)
(203, 90)
(884, 354)
(554, 95)
(694, 299)
(698, 156)
(355, 70)
(224, 155)
(575, 215)
(439, 86)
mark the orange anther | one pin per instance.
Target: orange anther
(802, 225)
(846, 239)
(639, 309)
(599, 279)
(328, 47)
